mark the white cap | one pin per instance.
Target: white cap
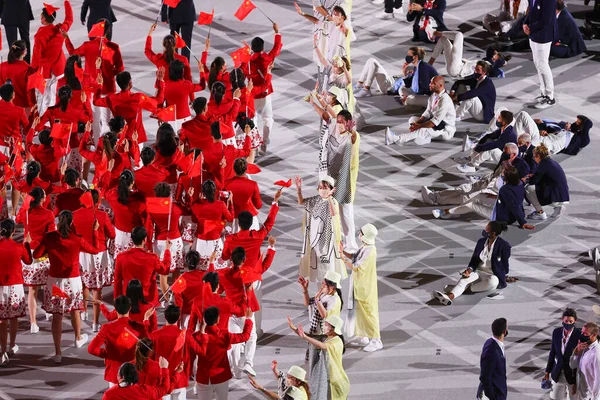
(295, 393)
(298, 373)
(333, 277)
(368, 233)
(328, 179)
(336, 322)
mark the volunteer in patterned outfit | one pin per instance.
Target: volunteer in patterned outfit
(12, 295)
(37, 222)
(64, 291)
(328, 300)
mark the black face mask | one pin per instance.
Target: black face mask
(506, 333)
(523, 149)
(485, 234)
(584, 339)
(409, 59)
(476, 75)
(504, 156)
(498, 124)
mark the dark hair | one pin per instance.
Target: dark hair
(213, 279)
(245, 220)
(138, 235)
(135, 293)
(511, 175)
(192, 259)
(199, 105)
(326, 183)
(33, 171)
(240, 165)
(48, 17)
(109, 142)
(166, 145)
(209, 190)
(418, 51)
(123, 79)
(569, 312)
(38, 194)
(257, 45)
(176, 68)
(16, 51)
(217, 91)
(499, 327)
(122, 305)
(142, 353)
(211, 315)
(242, 120)
(95, 195)
(116, 124)
(341, 11)
(7, 91)
(237, 79)
(215, 68)
(169, 45)
(72, 80)
(148, 155)
(126, 179)
(162, 189)
(238, 256)
(64, 97)
(7, 227)
(560, 5)
(215, 130)
(71, 177)
(128, 373)
(346, 115)
(172, 313)
(507, 116)
(65, 219)
(45, 138)
(485, 66)
(498, 227)
(337, 290)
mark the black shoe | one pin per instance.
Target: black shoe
(391, 93)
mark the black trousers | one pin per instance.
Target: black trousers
(185, 31)
(391, 4)
(23, 30)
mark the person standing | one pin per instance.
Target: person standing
(540, 25)
(492, 378)
(16, 15)
(586, 358)
(181, 20)
(48, 57)
(99, 9)
(564, 341)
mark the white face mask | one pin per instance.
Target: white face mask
(341, 127)
(324, 193)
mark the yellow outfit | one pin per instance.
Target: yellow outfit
(354, 163)
(365, 294)
(338, 380)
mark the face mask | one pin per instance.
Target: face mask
(498, 124)
(409, 59)
(506, 333)
(323, 193)
(476, 75)
(485, 234)
(341, 127)
(568, 327)
(584, 339)
(523, 149)
(504, 156)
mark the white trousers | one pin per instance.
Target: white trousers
(524, 123)
(504, 18)
(413, 99)
(348, 229)
(220, 391)
(561, 389)
(177, 394)
(424, 135)
(478, 158)
(477, 282)
(541, 53)
(472, 107)
(102, 116)
(451, 44)
(373, 70)
(482, 204)
(556, 142)
(236, 325)
(264, 109)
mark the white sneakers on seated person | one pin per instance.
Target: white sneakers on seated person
(391, 137)
(442, 298)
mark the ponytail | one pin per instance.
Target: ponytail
(215, 68)
(37, 193)
(142, 353)
(17, 50)
(33, 171)
(72, 80)
(109, 141)
(125, 182)
(208, 190)
(169, 45)
(217, 92)
(64, 97)
(7, 227)
(65, 219)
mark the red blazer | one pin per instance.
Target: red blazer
(150, 325)
(193, 289)
(13, 121)
(64, 253)
(164, 342)
(138, 391)
(129, 216)
(90, 50)
(218, 151)
(147, 177)
(68, 200)
(181, 93)
(182, 195)
(226, 112)
(150, 375)
(205, 211)
(214, 365)
(76, 112)
(250, 240)
(246, 196)
(102, 177)
(170, 163)
(41, 221)
(196, 132)
(47, 156)
(225, 306)
(157, 224)
(108, 344)
(12, 254)
(259, 63)
(160, 61)
(48, 56)
(83, 220)
(142, 265)
(18, 72)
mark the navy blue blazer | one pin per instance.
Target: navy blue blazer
(98, 9)
(500, 256)
(541, 20)
(496, 67)
(15, 12)
(437, 13)
(509, 207)
(184, 13)
(497, 139)
(527, 155)
(550, 182)
(569, 37)
(580, 139)
(559, 362)
(426, 72)
(520, 164)
(492, 378)
(486, 91)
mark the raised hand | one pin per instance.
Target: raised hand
(298, 182)
(152, 29)
(277, 196)
(163, 362)
(272, 240)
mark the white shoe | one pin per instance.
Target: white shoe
(84, 315)
(466, 168)
(57, 359)
(385, 16)
(237, 375)
(475, 178)
(442, 298)
(467, 143)
(363, 92)
(195, 389)
(390, 137)
(79, 343)
(249, 370)
(596, 254)
(539, 99)
(4, 360)
(48, 317)
(378, 2)
(96, 327)
(13, 350)
(34, 329)
(428, 196)
(557, 211)
(545, 103)
(374, 345)
(538, 216)
(437, 212)
(359, 341)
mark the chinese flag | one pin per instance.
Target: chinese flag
(240, 56)
(18, 163)
(179, 42)
(180, 341)
(127, 339)
(27, 202)
(249, 275)
(282, 183)
(211, 226)
(158, 205)
(97, 30)
(50, 9)
(204, 18)
(148, 103)
(106, 53)
(79, 73)
(171, 3)
(57, 292)
(196, 167)
(87, 200)
(245, 9)
(185, 163)
(61, 131)
(253, 169)
(179, 285)
(8, 173)
(36, 81)
(166, 114)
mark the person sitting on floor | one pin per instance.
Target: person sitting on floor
(480, 100)
(505, 17)
(428, 16)
(569, 41)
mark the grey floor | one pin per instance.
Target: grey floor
(431, 351)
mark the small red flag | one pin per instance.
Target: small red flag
(180, 341)
(205, 18)
(127, 339)
(50, 9)
(211, 226)
(36, 81)
(206, 291)
(171, 3)
(18, 163)
(166, 114)
(179, 285)
(245, 9)
(179, 42)
(282, 183)
(57, 292)
(240, 56)
(27, 203)
(148, 103)
(61, 131)
(158, 205)
(97, 30)
(196, 167)
(250, 275)
(8, 173)
(87, 200)
(253, 169)
(106, 53)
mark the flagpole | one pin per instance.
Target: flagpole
(170, 211)
(159, 11)
(137, 338)
(175, 112)
(262, 12)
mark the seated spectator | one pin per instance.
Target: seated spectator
(505, 17)
(569, 41)
(480, 100)
(373, 71)
(428, 16)
(496, 61)
(526, 151)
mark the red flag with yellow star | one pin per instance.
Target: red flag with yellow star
(245, 9)
(158, 205)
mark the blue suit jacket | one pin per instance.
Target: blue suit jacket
(580, 139)
(437, 13)
(509, 207)
(426, 72)
(559, 362)
(492, 378)
(527, 155)
(541, 20)
(497, 139)
(550, 182)
(500, 256)
(571, 41)
(520, 164)
(486, 91)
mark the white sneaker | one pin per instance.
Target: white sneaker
(475, 178)
(57, 359)
(466, 168)
(374, 345)
(96, 327)
(538, 216)
(378, 2)
(249, 370)
(34, 329)
(390, 137)
(363, 92)
(4, 360)
(557, 211)
(48, 317)
(195, 389)
(467, 143)
(359, 341)
(539, 99)
(384, 15)
(79, 343)
(442, 298)
(428, 196)
(437, 212)
(13, 350)
(84, 316)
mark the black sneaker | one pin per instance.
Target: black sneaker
(545, 103)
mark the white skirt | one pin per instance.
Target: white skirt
(12, 302)
(122, 242)
(36, 274)
(206, 248)
(96, 270)
(58, 305)
(176, 252)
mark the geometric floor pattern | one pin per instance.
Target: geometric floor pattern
(431, 351)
